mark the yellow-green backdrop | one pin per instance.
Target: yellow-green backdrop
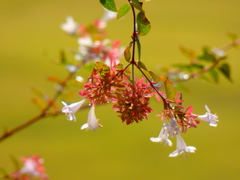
(30, 40)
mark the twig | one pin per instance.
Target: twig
(45, 112)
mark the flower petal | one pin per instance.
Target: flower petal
(157, 139)
(84, 126)
(92, 119)
(74, 107)
(175, 153)
(191, 149)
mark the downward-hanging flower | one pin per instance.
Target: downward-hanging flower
(92, 123)
(181, 147)
(163, 136)
(210, 118)
(70, 109)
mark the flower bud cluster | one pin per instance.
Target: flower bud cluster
(109, 82)
(93, 46)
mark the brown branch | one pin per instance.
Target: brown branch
(45, 112)
(199, 73)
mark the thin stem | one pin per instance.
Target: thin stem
(163, 99)
(230, 45)
(207, 69)
(134, 39)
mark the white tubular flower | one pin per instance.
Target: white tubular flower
(92, 123)
(85, 41)
(163, 136)
(69, 110)
(218, 52)
(182, 147)
(172, 127)
(70, 26)
(109, 15)
(208, 117)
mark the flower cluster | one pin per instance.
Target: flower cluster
(101, 85)
(179, 121)
(71, 109)
(93, 46)
(133, 101)
(32, 168)
(109, 82)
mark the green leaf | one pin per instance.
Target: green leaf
(225, 70)
(138, 48)
(170, 92)
(62, 57)
(214, 75)
(188, 53)
(154, 77)
(102, 68)
(15, 162)
(3, 172)
(37, 92)
(123, 10)
(232, 36)
(137, 4)
(89, 66)
(143, 24)
(142, 66)
(189, 67)
(207, 55)
(127, 52)
(109, 4)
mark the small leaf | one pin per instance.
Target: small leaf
(214, 75)
(123, 10)
(154, 76)
(109, 4)
(142, 66)
(137, 4)
(207, 55)
(15, 162)
(189, 67)
(39, 103)
(3, 172)
(170, 92)
(225, 70)
(143, 24)
(54, 79)
(62, 57)
(232, 36)
(89, 66)
(37, 92)
(190, 54)
(127, 52)
(138, 48)
(102, 68)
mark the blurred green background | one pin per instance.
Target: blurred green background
(30, 40)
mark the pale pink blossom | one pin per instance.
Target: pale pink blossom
(108, 15)
(32, 167)
(218, 52)
(163, 136)
(70, 26)
(208, 117)
(71, 109)
(181, 147)
(92, 122)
